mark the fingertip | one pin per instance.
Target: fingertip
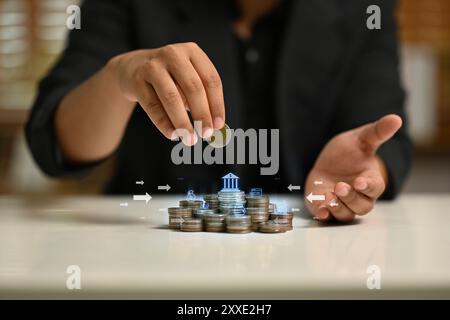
(389, 125)
(394, 119)
(360, 184)
(207, 133)
(342, 189)
(194, 138)
(323, 213)
(171, 135)
(219, 122)
(187, 138)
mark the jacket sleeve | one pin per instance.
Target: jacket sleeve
(373, 90)
(105, 32)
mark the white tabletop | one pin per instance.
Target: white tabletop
(127, 252)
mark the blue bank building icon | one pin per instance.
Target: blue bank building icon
(230, 182)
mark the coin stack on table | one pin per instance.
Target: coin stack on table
(230, 210)
(283, 218)
(194, 204)
(177, 215)
(258, 216)
(257, 209)
(200, 213)
(239, 223)
(192, 225)
(212, 200)
(232, 201)
(272, 227)
(260, 201)
(215, 222)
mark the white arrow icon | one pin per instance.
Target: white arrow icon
(140, 182)
(146, 197)
(291, 187)
(334, 203)
(315, 197)
(124, 204)
(318, 182)
(166, 187)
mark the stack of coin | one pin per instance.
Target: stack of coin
(257, 201)
(240, 223)
(272, 227)
(200, 212)
(214, 222)
(283, 218)
(232, 201)
(177, 215)
(258, 216)
(191, 225)
(194, 204)
(212, 200)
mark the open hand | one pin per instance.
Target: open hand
(348, 176)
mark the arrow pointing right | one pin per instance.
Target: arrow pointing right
(146, 197)
(140, 182)
(166, 187)
(291, 187)
(315, 197)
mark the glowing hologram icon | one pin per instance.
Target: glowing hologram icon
(190, 195)
(256, 192)
(281, 207)
(230, 182)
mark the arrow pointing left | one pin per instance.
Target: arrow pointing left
(291, 187)
(315, 197)
(146, 197)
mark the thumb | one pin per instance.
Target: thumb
(373, 135)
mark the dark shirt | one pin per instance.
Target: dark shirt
(258, 57)
(319, 71)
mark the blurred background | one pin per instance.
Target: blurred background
(32, 34)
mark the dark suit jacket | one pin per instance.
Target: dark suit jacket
(333, 74)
